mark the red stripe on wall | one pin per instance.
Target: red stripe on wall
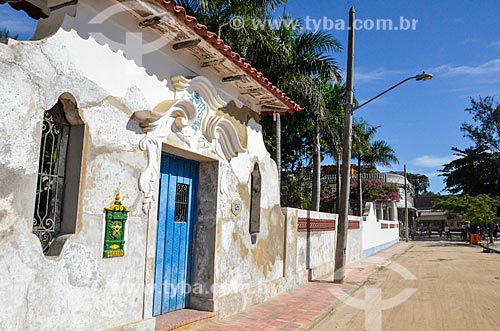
(315, 225)
(353, 225)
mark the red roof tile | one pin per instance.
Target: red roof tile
(211, 38)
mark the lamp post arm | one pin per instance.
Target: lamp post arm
(384, 92)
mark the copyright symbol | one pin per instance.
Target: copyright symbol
(237, 22)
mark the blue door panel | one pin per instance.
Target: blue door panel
(174, 239)
(170, 267)
(160, 240)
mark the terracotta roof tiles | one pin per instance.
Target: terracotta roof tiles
(211, 38)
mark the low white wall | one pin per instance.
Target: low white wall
(316, 249)
(377, 234)
(311, 242)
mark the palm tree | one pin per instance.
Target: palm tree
(369, 153)
(381, 153)
(217, 15)
(306, 72)
(297, 62)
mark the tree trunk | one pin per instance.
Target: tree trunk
(316, 185)
(337, 185)
(360, 190)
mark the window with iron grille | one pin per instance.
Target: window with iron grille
(181, 202)
(57, 189)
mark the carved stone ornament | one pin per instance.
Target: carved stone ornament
(193, 118)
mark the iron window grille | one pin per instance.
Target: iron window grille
(51, 175)
(181, 202)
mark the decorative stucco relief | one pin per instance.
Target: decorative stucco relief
(193, 117)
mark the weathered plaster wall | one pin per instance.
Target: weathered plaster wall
(111, 83)
(205, 236)
(316, 250)
(77, 288)
(247, 273)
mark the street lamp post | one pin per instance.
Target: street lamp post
(406, 207)
(340, 249)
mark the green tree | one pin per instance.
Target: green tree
(299, 62)
(485, 129)
(474, 172)
(369, 153)
(479, 210)
(304, 71)
(217, 15)
(419, 182)
(476, 169)
(380, 154)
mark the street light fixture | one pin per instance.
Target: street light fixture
(424, 76)
(340, 250)
(420, 77)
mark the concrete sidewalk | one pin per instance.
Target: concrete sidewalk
(304, 307)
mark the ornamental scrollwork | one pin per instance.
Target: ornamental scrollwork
(185, 117)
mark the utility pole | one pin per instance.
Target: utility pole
(340, 250)
(406, 207)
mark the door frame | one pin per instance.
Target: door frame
(204, 224)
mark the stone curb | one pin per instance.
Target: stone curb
(328, 311)
(489, 248)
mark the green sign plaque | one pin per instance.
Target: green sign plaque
(114, 236)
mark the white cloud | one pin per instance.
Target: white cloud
(489, 68)
(495, 44)
(470, 41)
(379, 74)
(428, 161)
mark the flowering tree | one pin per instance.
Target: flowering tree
(373, 190)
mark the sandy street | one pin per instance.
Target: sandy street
(457, 288)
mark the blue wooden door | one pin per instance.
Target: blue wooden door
(174, 233)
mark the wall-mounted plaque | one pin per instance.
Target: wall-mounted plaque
(236, 206)
(114, 235)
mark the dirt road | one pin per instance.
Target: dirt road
(457, 288)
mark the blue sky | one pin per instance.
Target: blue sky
(458, 41)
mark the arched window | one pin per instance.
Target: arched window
(58, 184)
(255, 202)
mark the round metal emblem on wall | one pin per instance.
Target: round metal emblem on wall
(236, 206)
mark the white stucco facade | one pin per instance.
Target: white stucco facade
(133, 107)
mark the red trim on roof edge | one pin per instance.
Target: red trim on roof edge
(211, 38)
